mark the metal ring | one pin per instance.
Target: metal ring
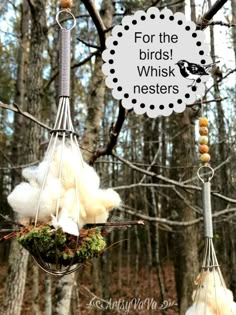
(211, 173)
(68, 12)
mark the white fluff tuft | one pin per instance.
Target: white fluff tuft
(23, 199)
(70, 191)
(200, 309)
(66, 223)
(212, 295)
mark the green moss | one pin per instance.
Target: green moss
(55, 246)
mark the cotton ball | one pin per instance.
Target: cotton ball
(200, 309)
(23, 199)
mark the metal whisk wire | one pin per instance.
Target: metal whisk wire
(63, 135)
(211, 296)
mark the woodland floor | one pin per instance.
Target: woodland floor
(145, 292)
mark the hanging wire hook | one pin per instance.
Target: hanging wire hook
(68, 12)
(207, 175)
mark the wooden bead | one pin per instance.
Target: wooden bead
(203, 122)
(205, 158)
(203, 148)
(203, 140)
(66, 4)
(203, 131)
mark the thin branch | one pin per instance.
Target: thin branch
(114, 134)
(171, 181)
(222, 24)
(97, 20)
(175, 223)
(208, 101)
(115, 224)
(73, 66)
(88, 44)
(204, 20)
(19, 166)
(15, 108)
(220, 80)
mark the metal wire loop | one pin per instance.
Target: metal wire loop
(67, 133)
(207, 175)
(68, 12)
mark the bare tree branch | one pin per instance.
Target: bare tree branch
(93, 12)
(114, 134)
(172, 222)
(204, 20)
(171, 181)
(17, 109)
(73, 66)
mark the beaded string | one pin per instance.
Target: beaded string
(203, 140)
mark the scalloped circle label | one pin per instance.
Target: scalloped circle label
(156, 62)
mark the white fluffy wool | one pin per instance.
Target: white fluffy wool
(23, 199)
(68, 159)
(200, 309)
(70, 202)
(76, 192)
(233, 308)
(98, 201)
(66, 223)
(213, 293)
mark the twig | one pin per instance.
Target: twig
(15, 108)
(175, 223)
(8, 231)
(222, 24)
(115, 224)
(93, 12)
(219, 80)
(114, 134)
(204, 20)
(88, 44)
(171, 181)
(73, 66)
(11, 221)
(208, 101)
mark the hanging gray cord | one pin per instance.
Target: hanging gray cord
(206, 178)
(65, 55)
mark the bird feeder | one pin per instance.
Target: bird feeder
(62, 195)
(211, 296)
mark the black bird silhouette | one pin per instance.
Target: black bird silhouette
(193, 71)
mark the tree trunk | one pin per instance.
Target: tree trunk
(35, 290)
(15, 285)
(62, 299)
(48, 295)
(18, 258)
(185, 240)
(26, 138)
(97, 90)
